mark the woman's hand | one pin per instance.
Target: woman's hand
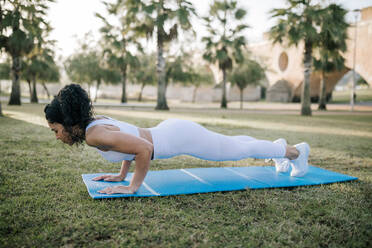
(117, 190)
(109, 178)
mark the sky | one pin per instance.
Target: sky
(71, 19)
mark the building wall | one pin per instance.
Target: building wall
(270, 54)
(363, 48)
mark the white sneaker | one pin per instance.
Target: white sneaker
(281, 164)
(300, 165)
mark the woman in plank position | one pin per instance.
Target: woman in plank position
(70, 115)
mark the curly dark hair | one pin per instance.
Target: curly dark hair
(72, 108)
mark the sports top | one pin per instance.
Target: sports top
(124, 127)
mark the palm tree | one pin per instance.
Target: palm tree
(152, 17)
(21, 24)
(40, 65)
(223, 45)
(108, 76)
(300, 22)
(332, 44)
(201, 75)
(118, 39)
(51, 74)
(90, 65)
(144, 73)
(249, 73)
(183, 69)
(176, 70)
(77, 67)
(83, 68)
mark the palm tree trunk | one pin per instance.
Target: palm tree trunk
(162, 100)
(241, 98)
(15, 95)
(34, 98)
(322, 94)
(97, 87)
(124, 84)
(141, 91)
(29, 87)
(305, 94)
(46, 90)
(194, 94)
(160, 67)
(223, 100)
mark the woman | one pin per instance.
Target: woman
(70, 115)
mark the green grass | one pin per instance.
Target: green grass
(363, 95)
(43, 201)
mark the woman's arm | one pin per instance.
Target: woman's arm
(142, 166)
(125, 143)
(125, 168)
(116, 178)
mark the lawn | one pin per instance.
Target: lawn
(43, 201)
(363, 95)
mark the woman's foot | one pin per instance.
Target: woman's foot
(281, 164)
(300, 164)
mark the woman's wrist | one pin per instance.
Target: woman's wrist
(122, 176)
(124, 169)
(132, 189)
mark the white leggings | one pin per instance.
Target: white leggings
(174, 137)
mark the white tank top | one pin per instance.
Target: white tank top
(124, 127)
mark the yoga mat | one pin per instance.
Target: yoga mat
(204, 180)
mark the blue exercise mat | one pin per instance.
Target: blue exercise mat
(203, 180)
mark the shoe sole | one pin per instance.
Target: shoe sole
(302, 173)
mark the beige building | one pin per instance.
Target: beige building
(285, 64)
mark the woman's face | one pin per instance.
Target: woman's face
(60, 133)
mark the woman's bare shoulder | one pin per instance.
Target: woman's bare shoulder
(97, 134)
(93, 135)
